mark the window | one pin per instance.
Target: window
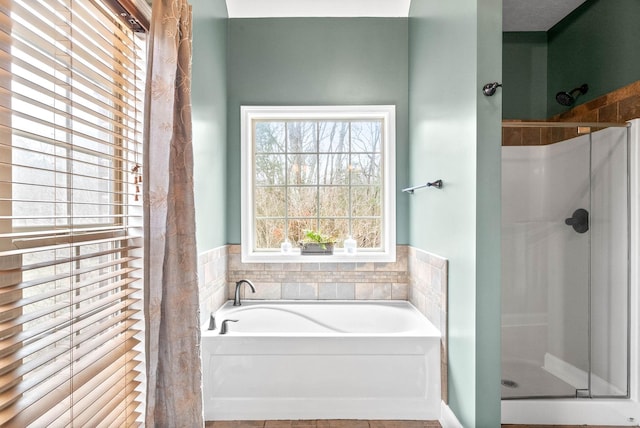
(325, 169)
(70, 215)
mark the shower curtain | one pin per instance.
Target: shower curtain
(174, 397)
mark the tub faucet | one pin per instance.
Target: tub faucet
(236, 300)
(223, 328)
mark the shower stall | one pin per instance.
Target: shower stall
(569, 259)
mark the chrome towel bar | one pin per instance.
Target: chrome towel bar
(437, 184)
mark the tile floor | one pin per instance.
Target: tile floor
(346, 423)
(559, 426)
(341, 423)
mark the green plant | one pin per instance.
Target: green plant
(314, 236)
(318, 238)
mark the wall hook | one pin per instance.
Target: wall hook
(490, 88)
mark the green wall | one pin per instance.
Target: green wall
(316, 61)
(455, 136)
(452, 132)
(209, 107)
(597, 44)
(524, 75)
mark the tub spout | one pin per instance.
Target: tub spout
(236, 300)
(223, 328)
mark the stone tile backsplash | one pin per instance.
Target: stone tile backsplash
(321, 281)
(416, 276)
(212, 274)
(428, 284)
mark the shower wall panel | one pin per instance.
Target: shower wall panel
(609, 267)
(566, 188)
(545, 262)
(524, 291)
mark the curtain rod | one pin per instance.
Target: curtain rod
(131, 13)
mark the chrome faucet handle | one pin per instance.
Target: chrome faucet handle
(212, 322)
(223, 328)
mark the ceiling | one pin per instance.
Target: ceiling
(296, 8)
(518, 15)
(535, 15)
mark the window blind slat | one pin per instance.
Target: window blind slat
(56, 351)
(126, 154)
(92, 404)
(36, 121)
(107, 31)
(14, 347)
(48, 378)
(93, 48)
(56, 390)
(51, 232)
(79, 98)
(119, 417)
(115, 103)
(59, 261)
(127, 101)
(61, 306)
(62, 111)
(71, 240)
(71, 110)
(78, 52)
(60, 291)
(13, 352)
(35, 187)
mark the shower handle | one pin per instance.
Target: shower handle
(579, 220)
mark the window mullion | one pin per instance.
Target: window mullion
(317, 155)
(286, 180)
(350, 169)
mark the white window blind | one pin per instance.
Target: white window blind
(71, 98)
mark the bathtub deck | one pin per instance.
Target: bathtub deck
(341, 423)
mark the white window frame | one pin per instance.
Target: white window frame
(249, 114)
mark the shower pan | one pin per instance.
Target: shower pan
(566, 245)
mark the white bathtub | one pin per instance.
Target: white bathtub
(321, 360)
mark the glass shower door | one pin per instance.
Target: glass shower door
(565, 266)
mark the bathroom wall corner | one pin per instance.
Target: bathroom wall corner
(428, 280)
(209, 120)
(212, 279)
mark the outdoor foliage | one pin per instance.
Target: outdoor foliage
(318, 175)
